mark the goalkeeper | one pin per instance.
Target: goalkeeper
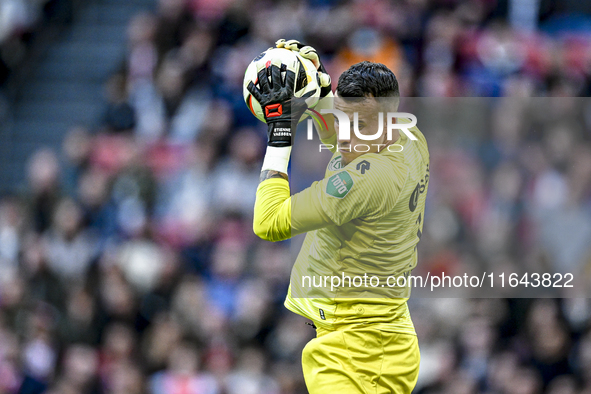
(364, 217)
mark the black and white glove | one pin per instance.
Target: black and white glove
(307, 52)
(281, 109)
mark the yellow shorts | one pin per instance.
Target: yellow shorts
(361, 360)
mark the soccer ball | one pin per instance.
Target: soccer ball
(306, 79)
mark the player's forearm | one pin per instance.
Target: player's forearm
(272, 210)
(270, 174)
(331, 143)
(327, 138)
(326, 131)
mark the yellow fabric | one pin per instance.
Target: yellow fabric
(331, 143)
(372, 229)
(361, 360)
(272, 210)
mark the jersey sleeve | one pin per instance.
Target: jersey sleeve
(366, 188)
(330, 143)
(272, 210)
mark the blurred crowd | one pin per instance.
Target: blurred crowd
(128, 264)
(20, 21)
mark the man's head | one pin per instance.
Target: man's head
(368, 79)
(368, 89)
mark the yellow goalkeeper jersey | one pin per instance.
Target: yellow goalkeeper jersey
(363, 222)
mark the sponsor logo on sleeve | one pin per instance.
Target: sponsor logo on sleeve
(339, 185)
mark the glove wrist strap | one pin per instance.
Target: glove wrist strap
(279, 134)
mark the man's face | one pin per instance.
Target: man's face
(368, 121)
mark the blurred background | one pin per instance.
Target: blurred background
(129, 165)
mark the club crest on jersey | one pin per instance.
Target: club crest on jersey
(335, 164)
(339, 185)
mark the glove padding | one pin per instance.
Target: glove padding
(282, 110)
(307, 52)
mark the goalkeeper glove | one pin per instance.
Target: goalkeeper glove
(281, 109)
(307, 52)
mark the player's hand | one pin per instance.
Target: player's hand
(309, 53)
(281, 108)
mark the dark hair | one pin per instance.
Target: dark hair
(368, 78)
